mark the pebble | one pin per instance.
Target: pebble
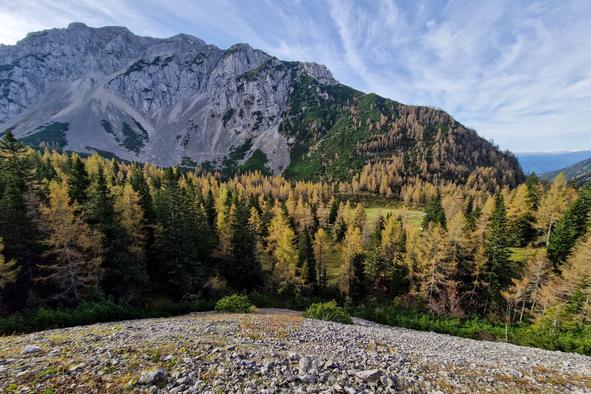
(278, 352)
(31, 349)
(153, 377)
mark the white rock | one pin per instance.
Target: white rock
(31, 349)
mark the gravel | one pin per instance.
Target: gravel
(275, 351)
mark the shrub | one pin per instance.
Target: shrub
(89, 313)
(234, 304)
(328, 311)
(524, 334)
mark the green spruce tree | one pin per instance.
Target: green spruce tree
(499, 270)
(571, 226)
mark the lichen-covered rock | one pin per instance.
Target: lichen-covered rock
(154, 377)
(31, 349)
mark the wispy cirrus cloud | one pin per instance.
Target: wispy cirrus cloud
(518, 72)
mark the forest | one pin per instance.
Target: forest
(83, 232)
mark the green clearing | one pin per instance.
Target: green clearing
(522, 255)
(413, 216)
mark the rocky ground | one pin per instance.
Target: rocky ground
(274, 351)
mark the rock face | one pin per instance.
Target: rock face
(179, 100)
(277, 351)
(147, 99)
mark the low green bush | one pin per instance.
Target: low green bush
(90, 313)
(328, 311)
(523, 334)
(234, 304)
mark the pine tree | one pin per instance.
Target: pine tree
(78, 181)
(534, 191)
(168, 276)
(470, 214)
(243, 270)
(74, 250)
(434, 212)
(120, 274)
(183, 239)
(8, 269)
(306, 261)
(132, 229)
(375, 264)
(498, 268)
(393, 247)
(17, 227)
(333, 212)
(140, 186)
(209, 205)
(569, 229)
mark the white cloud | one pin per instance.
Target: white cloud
(519, 72)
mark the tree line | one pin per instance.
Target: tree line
(78, 229)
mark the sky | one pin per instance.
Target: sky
(519, 72)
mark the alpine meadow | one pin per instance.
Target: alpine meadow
(168, 209)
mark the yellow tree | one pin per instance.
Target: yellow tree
(352, 249)
(321, 247)
(222, 226)
(553, 205)
(435, 269)
(567, 298)
(359, 217)
(518, 203)
(131, 217)
(412, 257)
(524, 291)
(281, 245)
(255, 224)
(392, 240)
(74, 249)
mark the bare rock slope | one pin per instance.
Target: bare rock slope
(179, 100)
(275, 351)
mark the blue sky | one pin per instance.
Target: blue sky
(519, 72)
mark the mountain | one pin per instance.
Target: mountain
(180, 100)
(577, 173)
(542, 162)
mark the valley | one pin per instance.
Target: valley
(347, 242)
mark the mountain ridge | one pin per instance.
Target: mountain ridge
(179, 100)
(543, 162)
(578, 173)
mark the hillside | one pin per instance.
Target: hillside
(577, 173)
(181, 101)
(276, 351)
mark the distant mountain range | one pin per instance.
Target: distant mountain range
(543, 162)
(577, 173)
(180, 100)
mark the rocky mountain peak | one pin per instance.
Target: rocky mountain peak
(178, 100)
